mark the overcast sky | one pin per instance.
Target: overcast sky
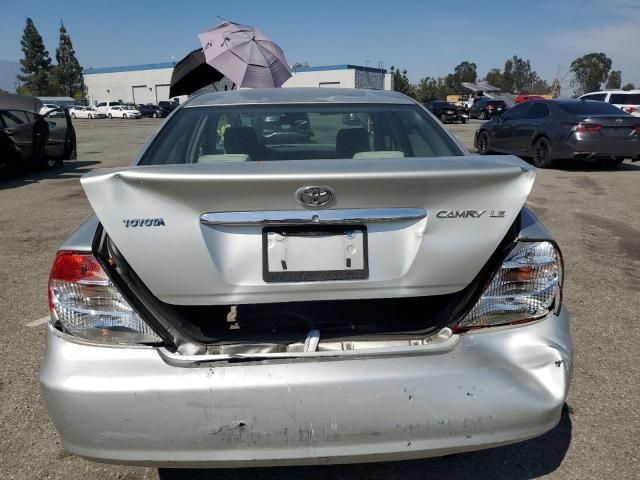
(425, 37)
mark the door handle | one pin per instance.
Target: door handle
(9, 131)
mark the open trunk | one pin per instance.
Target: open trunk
(196, 243)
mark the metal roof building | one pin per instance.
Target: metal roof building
(150, 83)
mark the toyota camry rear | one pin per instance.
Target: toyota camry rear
(366, 291)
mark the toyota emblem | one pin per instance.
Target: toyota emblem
(315, 196)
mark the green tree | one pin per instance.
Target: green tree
(463, 72)
(68, 72)
(431, 88)
(629, 86)
(494, 77)
(518, 75)
(36, 64)
(401, 82)
(589, 72)
(614, 80)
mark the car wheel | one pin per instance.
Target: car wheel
(542, 153)
(124, 116)
(90, 116)
(73, 115)
(443, 118)
(482, 144)
(483, 115)
(464, 120)
(613, 163)
(155, 114)
(110, 116)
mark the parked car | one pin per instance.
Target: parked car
(447, 112)
(169, 105)
(85, 112)
(551, 130)
(103, 107)
(627, 100)
(152, 111)
(47, 107)
(373, 294)
(526, 98)
(28, 138)
(123, 111)
(485, 108)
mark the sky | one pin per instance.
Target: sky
(428, 38)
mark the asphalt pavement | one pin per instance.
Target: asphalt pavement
(592, 212)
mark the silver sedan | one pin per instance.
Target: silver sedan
(305, 276)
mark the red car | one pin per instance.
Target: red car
(525, 98)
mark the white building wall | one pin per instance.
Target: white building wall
(323, 78)
(152, 86)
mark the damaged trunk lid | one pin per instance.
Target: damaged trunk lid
(266, 232)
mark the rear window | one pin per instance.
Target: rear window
(625, 98)
(589, 107)
(286, 132)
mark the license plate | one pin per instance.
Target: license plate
(314, 253)
(616, 131)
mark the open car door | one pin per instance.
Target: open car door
(62, 137)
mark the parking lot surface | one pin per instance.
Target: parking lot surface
(592, 212)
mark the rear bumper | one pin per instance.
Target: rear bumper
(127, 405)
(601, 149)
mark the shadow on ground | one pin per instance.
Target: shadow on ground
(21, 178)
(522, 461)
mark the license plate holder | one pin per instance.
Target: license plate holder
(314, 253)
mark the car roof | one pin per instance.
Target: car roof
(613, 90)
(266, 96)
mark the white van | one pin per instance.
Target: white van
(627, 100)
(103, 107)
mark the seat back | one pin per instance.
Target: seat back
(242, 140)
(350, 141)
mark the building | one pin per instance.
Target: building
(150, 83)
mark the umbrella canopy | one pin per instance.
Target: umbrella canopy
(192, 73)
(244, 55)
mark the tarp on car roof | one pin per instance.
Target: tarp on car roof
(12, 101)
(480, 87)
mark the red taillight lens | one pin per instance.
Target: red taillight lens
(588, 127)
(489, 107)
(629, 109)
(75, 267)
(637, 128)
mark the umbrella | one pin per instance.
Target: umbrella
(244, 55)
(192, 73)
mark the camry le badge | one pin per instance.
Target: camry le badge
(470, 213)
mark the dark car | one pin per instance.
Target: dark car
(288, 127)
(152, 111)
(550, 130)
(30, 139)
(446, 111)
(170, 106)
(486, 108)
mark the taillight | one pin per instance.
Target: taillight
(87, 304)
(637, 127)
(629, 109)
(588, 127)
(489, 107)
(528, 286)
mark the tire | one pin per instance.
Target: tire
(483, 115)
(90, 117)
(73, 115)
(124, 116)
(542, 153)
(155, 115)
(464, 120)
(482, 144)
(110, 116)
(614, 163)
(444, 118)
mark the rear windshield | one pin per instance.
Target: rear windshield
(286, 132)
(625, 98)
(590, 107)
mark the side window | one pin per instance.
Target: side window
(595, 96)
(538, 110)
(102, 104)
(14, 118)
(518, 111)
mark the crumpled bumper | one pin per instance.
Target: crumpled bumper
(127, 405)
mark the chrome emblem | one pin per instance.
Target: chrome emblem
(619, 120)
(143, 222)
(315, 196)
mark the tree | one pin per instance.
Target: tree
(614, 80)
(589, 72)
(68, 72)
(518, 76)
(629, 86)
(464, 72)
(401, 82)
(494, 77)
(431, 88)
(36, 64)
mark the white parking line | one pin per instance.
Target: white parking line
(40, 321)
